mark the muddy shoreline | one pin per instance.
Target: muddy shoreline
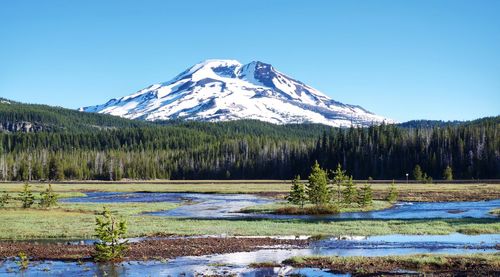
(154, 249)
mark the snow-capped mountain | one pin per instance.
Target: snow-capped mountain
(221, 90)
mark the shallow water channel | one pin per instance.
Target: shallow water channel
(237, 263)
(210, 206)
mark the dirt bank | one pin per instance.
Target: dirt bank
(145, 250)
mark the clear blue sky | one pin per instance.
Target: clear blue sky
(431, 59)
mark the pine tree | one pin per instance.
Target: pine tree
(110, 232)
(365, 196)
(4, 199)
(26, 196)
(417, 173)
(350, 192)
(426, 179)
(317, 188)
(448, 173)
(298, 193)
(392, 196)
(48, 198)
(339, 178)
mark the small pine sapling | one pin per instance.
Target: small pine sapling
(23, 261)
(297, 194)
(48, 198)
(317, 187)
(110, 232)
(392, 197)
(26, 196)
(365, 198)
(350, 192)
(4, 199)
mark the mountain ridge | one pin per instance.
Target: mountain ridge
(25, 117)
(222, 90)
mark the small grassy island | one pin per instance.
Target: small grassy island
(435, 264)
(495, 212)
(286, 208)
(325, 195)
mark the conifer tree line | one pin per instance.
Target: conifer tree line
(251, 150)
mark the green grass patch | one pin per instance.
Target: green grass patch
(232, 186)
(79, 224)
(69, 220)
(195, 186)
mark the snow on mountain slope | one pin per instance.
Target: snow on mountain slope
(221, 90)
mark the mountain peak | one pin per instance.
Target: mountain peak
(214, 63)
(220, 90)
(259, 64)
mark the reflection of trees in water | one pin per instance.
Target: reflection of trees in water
(110, 269)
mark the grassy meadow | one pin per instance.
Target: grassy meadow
(77, 220)
(260, 186)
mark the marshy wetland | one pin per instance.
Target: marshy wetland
(232, 230)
